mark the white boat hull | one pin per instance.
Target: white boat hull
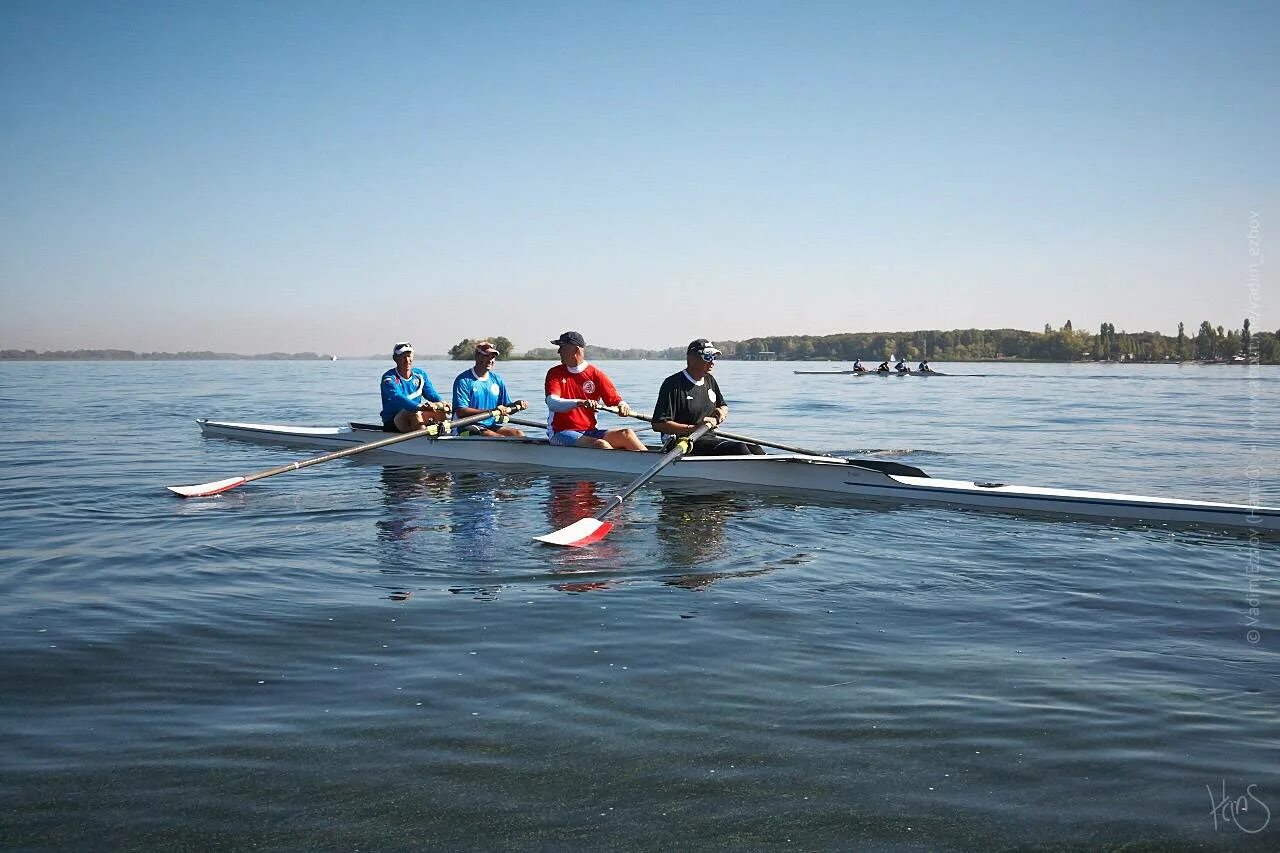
(776, 472)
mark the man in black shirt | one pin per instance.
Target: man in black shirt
(691, 397)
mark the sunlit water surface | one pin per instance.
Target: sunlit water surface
(360, 656)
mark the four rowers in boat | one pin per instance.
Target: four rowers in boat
(575, 390)
(900, 367)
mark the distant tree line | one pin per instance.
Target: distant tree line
(130, 355)
(549, 354)
(1210, 343)
(465, 349)
(1064, 344)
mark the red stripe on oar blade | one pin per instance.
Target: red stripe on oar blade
(580, 533)
(203, 490)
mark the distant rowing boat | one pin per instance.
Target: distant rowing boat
(881, 373)
(785, 472)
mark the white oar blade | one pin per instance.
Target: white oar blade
(205, 489)
(580, 533)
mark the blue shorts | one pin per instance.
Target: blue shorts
(569, 437)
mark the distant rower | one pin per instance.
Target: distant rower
(857, 366)
(901, 366)
(924, 367)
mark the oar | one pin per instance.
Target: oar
(733, 437)
(584, 531)
(719, 432)
(205, 489)
(883, 466)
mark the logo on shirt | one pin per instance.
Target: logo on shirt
(588, 387)
(493, 387)
(711, 395)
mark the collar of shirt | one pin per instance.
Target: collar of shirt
(697, 382)
(579, 368)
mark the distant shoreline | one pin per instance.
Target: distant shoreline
(130, 355)
(97, 356)
(1066, 345)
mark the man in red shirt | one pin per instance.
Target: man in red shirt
(575, 389)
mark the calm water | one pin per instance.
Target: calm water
(729, 670)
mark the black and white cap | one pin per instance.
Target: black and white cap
(704, 348)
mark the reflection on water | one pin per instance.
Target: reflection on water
(445, 521)
(474, 508)
(691, 526)
(406, 493)
(570, 501)
(575, 587)
(702, 580)
(691, 530)
(479, 593)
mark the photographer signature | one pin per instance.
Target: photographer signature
(1234, 810)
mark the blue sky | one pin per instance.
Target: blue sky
(250, 177)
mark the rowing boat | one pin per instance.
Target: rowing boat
(869, 373)
(783, 472)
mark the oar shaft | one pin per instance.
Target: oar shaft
(530, 424)
(432, 431)
(735, 437)
(667, 458)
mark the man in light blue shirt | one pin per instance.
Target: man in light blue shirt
(480, 390)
